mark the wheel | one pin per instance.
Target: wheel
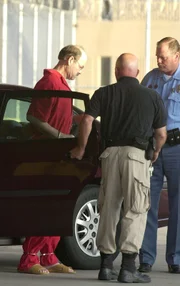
(80, 250)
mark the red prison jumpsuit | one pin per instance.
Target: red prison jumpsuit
(58, 113)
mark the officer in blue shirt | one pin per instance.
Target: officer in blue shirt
(166, 81)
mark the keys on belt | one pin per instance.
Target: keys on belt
(151, 169)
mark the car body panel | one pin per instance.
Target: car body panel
(39, 182)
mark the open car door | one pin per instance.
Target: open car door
(39, 183)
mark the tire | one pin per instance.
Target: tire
(71, 250)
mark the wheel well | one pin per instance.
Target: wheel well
(94, 184)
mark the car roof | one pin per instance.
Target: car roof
(4, 86)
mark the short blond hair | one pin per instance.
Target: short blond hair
(69, 51)
(173, 44)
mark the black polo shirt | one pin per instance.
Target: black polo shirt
(127, 110)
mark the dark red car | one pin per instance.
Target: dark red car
(42, 190)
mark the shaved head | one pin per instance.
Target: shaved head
(126, 65)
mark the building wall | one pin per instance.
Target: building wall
(32, 34)
(110, 38)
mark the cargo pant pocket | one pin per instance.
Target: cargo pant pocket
(105, 153)
(140, 197)
(101, 196)
(103, 157)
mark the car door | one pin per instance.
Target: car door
(39, 183)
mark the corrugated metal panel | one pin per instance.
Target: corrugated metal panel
(12, 43)
(35, 34)
(27, 46)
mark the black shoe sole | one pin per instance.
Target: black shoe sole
(144, 270)
(107, 275)
(133, 281)
(128, 277)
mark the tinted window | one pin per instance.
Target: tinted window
(16, 110)
(16, 127)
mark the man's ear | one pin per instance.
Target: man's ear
(70, 60)
(116, 72)
(178, 55)
(137, 72)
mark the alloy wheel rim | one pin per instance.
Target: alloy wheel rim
(86, 225)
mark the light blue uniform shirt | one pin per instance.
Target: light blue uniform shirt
(169, 90)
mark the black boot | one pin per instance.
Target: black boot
(128, 272)
(106, 271)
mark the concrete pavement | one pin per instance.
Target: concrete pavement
(9, 258)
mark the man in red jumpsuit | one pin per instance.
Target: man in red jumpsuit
(51, 117)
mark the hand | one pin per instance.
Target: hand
(155, 156)
(77, 153)
(63, 135)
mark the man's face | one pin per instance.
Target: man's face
(76, 66)
(167, 60)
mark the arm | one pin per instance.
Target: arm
(43, 127)
(159, 126)
(92, 111)
(46, 129)
(160, 135)
(84, 131)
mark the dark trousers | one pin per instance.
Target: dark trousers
(168, 164)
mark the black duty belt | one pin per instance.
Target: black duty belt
(136, 142)
(173, 137)
(115, 143)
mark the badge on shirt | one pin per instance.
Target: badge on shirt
(178, 88)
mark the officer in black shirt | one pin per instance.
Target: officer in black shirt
(130, 114)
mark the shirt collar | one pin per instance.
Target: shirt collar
(55, 72)
(128, 78)
(176, 75)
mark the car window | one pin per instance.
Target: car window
(16, 110)
(15, 126)
(79, 104)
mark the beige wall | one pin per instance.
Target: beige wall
(111, 38)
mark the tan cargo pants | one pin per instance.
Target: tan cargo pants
(125, 179)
